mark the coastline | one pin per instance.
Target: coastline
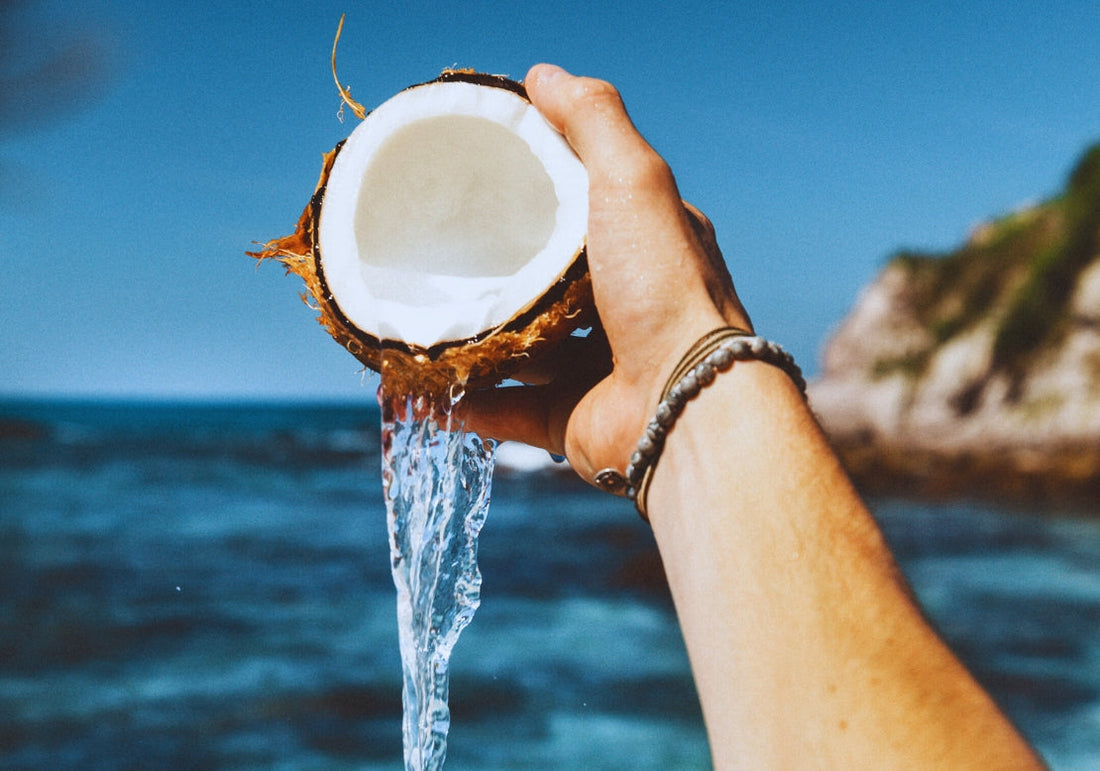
(1039, 480)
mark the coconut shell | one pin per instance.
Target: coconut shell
(486, 359)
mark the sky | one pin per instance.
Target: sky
(145, 146)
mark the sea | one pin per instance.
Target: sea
(207, 586)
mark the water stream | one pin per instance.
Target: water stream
(436, 479)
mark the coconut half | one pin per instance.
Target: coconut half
(447, 230)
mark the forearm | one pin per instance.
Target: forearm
(804, 640)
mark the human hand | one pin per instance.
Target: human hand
(658, 279)
(786, 523)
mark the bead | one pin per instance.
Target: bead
(705, 374)
(675, 399)
(726, 345)
(665, 415)
(690, 386)
(721, 358)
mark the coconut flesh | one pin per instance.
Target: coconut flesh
(449, 230)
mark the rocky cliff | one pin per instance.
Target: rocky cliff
(978, 371)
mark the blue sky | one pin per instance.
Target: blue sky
(819, 137)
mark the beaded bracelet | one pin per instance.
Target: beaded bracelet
(713, 353)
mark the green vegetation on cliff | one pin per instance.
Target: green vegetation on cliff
(1018, 272)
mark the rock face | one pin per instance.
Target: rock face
(978, 371)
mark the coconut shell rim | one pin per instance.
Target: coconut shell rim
(566, 304)
(576, 270)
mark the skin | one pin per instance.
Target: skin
(807, 646)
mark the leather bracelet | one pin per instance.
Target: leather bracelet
(711, 354)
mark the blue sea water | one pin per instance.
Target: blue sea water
(208, 586)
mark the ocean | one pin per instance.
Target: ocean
(207, 586)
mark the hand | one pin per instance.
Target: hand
(658, 279)
(803, 636)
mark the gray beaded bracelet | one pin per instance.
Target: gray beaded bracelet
(713, 353)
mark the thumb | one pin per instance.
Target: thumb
(642, 247)
(591, 115)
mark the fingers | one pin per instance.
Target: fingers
(518, 414)
(539, 414)
(704, 231)
(585, 357)
(658, 279)
(534, 415)
(719, 282)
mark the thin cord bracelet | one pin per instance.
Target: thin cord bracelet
(714, 352)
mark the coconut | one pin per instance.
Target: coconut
(444, 243)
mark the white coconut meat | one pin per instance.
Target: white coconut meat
(449, 211)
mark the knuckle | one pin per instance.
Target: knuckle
(645, 170)
(701, 223)
(595, 94)
(637, 164)
(701, 219)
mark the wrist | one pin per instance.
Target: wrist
(710, 357)
(727, 441)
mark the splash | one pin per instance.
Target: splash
(436, 479)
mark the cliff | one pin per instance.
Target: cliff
(978, 371)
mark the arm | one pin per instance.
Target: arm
(804, 640)
(803, 637)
